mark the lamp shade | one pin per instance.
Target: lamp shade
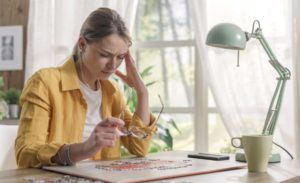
(226, 35)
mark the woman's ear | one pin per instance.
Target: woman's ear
(81, 44)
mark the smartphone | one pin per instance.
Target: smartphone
(209, 156)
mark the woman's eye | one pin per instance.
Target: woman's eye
(121, 58)
(104, 55)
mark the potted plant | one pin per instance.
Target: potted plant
(1, 82)
(3, 105)
(12, 98)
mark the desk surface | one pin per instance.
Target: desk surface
(287, 169)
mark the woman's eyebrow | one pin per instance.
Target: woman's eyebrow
(122, 54)
(103, 50)
(108, 52)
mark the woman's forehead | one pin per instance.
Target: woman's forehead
(113, 44)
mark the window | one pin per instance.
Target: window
(164, 38)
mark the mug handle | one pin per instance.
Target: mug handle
(237, 138)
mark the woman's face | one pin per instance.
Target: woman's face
(101, 59)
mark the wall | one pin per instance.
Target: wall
(14, 12)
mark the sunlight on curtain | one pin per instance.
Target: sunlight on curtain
(243, 93)
(54, 25)
(296, 55)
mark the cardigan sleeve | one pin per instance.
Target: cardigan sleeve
(138, 147)
(31, 149)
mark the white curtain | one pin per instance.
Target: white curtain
(296, 57)
(54, 25)
(243, 93)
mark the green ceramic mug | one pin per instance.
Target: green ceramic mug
(257, 150)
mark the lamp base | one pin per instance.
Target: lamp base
(273, 158)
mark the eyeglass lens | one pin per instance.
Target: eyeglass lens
(133, 131)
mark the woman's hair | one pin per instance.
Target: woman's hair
(99, 24)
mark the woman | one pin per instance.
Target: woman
(74, 112)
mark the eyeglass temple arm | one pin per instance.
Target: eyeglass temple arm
(162, 107)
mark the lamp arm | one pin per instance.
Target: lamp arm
(284, 75)
(274, 108)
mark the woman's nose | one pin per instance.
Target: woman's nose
(113, 63)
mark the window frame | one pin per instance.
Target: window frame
(201, 110)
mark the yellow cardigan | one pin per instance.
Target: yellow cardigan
(54, 113)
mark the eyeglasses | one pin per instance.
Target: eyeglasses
(135, 131)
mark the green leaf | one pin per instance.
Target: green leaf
(12, 96)
(146, 71)
(167, 138)
(2, 94)
(164, 135)
(151, 83)
(154, 147)
(1, 81)
(173, 123)
(116, 79)
(124, 151)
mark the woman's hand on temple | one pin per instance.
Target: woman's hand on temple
(132, 77)
(134, 80)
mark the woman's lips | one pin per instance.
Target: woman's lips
(108, 72)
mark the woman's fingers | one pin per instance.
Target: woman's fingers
(107, 135)
(106, 132)
(121, 75)
(108, 143)
(130, 65)
(129, 59)
(111, 122)
(104, 129)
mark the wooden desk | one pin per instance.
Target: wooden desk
(279, 172)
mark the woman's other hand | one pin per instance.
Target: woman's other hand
(105, 134)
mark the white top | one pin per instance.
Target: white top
(93, 116)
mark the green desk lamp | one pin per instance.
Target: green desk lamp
(230, 36)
